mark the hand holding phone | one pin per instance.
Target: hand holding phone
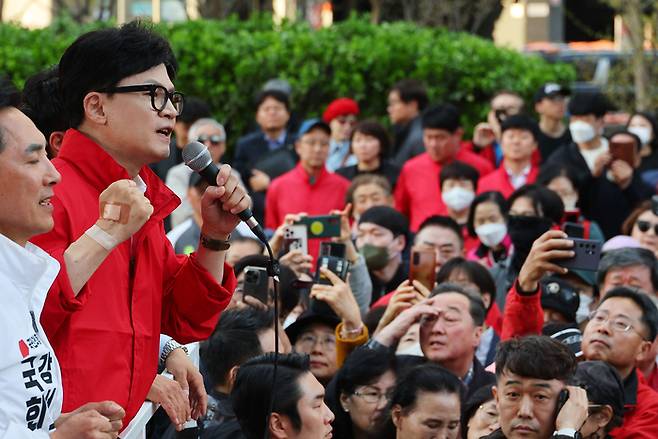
(573, 411)
(422, 267)
(256, 283)
(624, 151)
(587, 257)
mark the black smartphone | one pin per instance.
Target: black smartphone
(338, 266)
(335, 249)
(561, 400)
(256, 283)
(588, 255)
(654, 204)
(574, 230)
(322, 226)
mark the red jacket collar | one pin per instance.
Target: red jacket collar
(301, 172)
(101, 170)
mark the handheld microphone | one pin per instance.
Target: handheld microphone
(197, 157)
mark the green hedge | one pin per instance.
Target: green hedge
(226, 62)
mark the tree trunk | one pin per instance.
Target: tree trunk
(635, 24)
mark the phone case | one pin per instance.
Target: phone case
(588, 255)
(295, 237)
(422, 267)
(623, 151)
(256, 283)
(322, 226)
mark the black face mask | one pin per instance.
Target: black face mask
(523, 231)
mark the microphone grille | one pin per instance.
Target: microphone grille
(196, 156)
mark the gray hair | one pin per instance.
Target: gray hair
(196, 126)
(628, 257)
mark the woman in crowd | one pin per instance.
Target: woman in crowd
(487, 221)
(480, 414)
(371, 146)
(426, 403)
(561, 180)
(360, 392)
(644, 125)
(642, 225)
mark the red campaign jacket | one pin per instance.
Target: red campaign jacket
(418, 193)
(499, 181)
(523, 315)
(107, 338)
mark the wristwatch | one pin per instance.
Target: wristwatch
(568, 432)
(168, 348)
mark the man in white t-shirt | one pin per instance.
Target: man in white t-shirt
(30, 378)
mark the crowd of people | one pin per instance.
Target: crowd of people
(115, 255)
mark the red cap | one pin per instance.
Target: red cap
(340, 107)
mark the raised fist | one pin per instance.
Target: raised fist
(123, 209)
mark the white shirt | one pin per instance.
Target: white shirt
(518, 180)
(30, 377)
(590, 155)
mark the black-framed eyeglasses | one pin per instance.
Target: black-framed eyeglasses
(644, 226)
(159, 95)
(214, 139)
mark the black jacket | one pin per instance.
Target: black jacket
(600, 199)
(387, 169)
(480, 378)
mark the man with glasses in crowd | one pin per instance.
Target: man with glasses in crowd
(121, 284)
(620, 331)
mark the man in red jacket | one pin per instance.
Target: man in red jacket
(518, 143)
(120, 283)
(620, 331)
(418, 193)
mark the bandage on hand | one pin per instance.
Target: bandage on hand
(117, 212)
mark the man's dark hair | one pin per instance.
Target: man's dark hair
(535, 356)
(644, 302)
(42, 103)
(412, 90)
(424, 378)
(441, 117)
(193, 110)
(546, 203)
(253, 391)
(628, 257)
(551, 171)
(475, 304)
(444, 222)
(375, 129)
(226, 349)
(102, 58)
(492, 197)
(458, 171)
(520, 122)
(361, 368)
(246, 319)
(474, 271)
(9, 97)
(277, 95)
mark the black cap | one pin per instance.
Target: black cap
(582, 104)
(551, 89)
(560, 295)
(388, 218)
(307, 318)
(567, 334)
(603, 384)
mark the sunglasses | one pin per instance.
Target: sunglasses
(644, 226)
(215, 139)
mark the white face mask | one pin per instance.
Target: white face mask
(581, 132)
(491, 234)
(458, 198)
(583, 309)
(414, 349)
(644, 133)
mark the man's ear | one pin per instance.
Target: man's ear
(93, 107)
(494, 392)
(603, 416)
(478, 335)
(643, 349)
(486, 300)
(278, 426)
(400, 243)
(55, 142)
(396, 415)
(232, 374)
